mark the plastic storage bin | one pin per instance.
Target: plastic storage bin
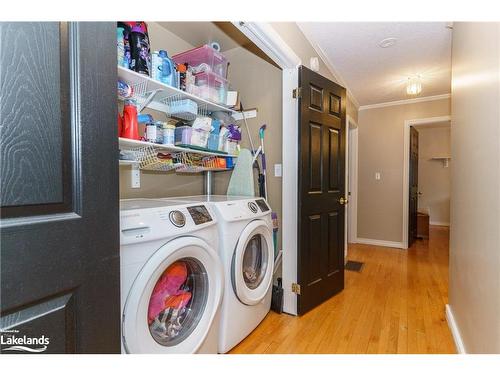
(210, 86)
(230, 163)
(187, 136)
(185, 108)
(214, 61)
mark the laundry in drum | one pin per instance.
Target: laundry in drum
(167, 305)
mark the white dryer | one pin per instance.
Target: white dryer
(171, 277)
(246, 250)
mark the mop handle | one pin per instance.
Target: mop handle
(261, 136)
(263, 158)
(246, 126)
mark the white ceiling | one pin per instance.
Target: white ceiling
(377, 75)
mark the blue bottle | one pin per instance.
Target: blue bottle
(163, 68)
(120, 47)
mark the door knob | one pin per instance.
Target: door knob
(343, 200)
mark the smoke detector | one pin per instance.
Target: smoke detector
(387, 42)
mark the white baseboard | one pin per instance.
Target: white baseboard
(459, 344)
(441, 223)
(369, 241)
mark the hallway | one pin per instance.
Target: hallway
(395, 305)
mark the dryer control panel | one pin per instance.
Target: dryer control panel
(263, 205)
(165, 221)
(199, 214)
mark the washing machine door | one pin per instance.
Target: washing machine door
(174, 299)
(253, 263)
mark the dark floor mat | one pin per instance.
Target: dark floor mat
(352, 265)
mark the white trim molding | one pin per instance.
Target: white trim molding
(264, 36)
(440, 223)
(270, 42)
(351, 223)
(369, 241)
(406, 166)
(405, 101)
(290, 191)
(455, 332)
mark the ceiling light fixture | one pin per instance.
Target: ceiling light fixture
(414, 86)
(387, 42)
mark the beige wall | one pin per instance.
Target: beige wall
(296, 40)
(380, 149)
(259, 85)
(474, 287)
(433, 176)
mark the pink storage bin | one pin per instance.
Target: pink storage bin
(216, 62)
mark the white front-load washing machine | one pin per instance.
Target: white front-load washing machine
(247, 254)
(171, 277)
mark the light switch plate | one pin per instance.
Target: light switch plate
(277, 170)
(135, 175)
(377, 175)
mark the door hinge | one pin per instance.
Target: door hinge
(296, 288)
(297, 93)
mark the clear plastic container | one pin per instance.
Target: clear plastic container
(213, 142)
(204, 59)
(186, 135)
(185, 108)
(231, 146)
(211, 87)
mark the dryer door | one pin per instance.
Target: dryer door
(174, 299)
(253, 263)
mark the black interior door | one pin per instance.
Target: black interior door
(413, 189)
(60, 280)
(321, 211)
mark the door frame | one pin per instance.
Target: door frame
(406, 165)
(264, 36)
(351, 217)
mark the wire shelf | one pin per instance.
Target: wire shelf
(151, 159)
(144, 85)
(139, 89)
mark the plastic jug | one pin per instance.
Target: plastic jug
(164, 68)
(130, 127)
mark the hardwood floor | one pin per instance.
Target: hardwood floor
(395, 305)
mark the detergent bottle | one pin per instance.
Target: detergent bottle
(130, 127)
(163, 68)
(170, 74)
(139, 48)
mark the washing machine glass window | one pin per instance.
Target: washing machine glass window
(254, 263)
(177, 301)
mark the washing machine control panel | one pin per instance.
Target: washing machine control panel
(199, 214)
(177, 218)
(263, 205)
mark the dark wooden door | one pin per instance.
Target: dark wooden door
(60, 280)
(413, 189)
(321, 213)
